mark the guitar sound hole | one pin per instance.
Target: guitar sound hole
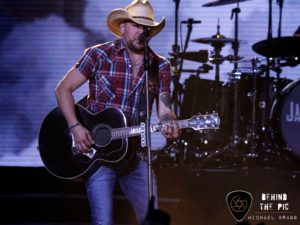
(101, 135)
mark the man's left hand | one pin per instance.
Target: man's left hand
(170, 130)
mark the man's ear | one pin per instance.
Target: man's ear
(122, 28)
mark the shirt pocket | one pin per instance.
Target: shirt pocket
(103, 89)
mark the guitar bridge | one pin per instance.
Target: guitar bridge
(76, 152)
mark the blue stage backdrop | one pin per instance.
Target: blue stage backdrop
(41, 40)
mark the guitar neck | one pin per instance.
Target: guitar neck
(132, 131)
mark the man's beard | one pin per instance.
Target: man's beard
(134, 48)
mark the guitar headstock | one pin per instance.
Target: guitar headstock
(207, 121)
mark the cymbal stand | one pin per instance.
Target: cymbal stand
(254, 97)
(217, 50)
(235, 46)
(278, 71)
(176, 77)
(280, 3)
(218, 60)
(251, 136)
(265, 121)
(235, 132)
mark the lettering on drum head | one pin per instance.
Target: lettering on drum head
(294, 113)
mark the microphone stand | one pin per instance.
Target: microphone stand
(176, 49)
(178, 87)
(187, 39)
(147, 125)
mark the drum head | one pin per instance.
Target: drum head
(286, 113)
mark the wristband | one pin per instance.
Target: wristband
(74, 125)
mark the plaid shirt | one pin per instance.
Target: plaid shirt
(111, 81)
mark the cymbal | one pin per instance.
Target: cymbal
(222, 2)
(215, 39)
(278, 47)
(196, 56)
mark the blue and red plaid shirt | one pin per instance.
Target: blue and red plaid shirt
(111, 81)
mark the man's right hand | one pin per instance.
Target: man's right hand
(82, 138)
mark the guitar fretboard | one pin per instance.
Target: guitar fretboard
(201, 122)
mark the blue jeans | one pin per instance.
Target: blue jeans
(100, 187)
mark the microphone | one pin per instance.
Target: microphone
(144, 36)
(190, 21)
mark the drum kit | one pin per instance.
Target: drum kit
(260, 114)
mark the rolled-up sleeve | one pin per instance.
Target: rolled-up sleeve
(87, 63)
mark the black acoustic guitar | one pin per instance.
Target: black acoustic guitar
(112, 137)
